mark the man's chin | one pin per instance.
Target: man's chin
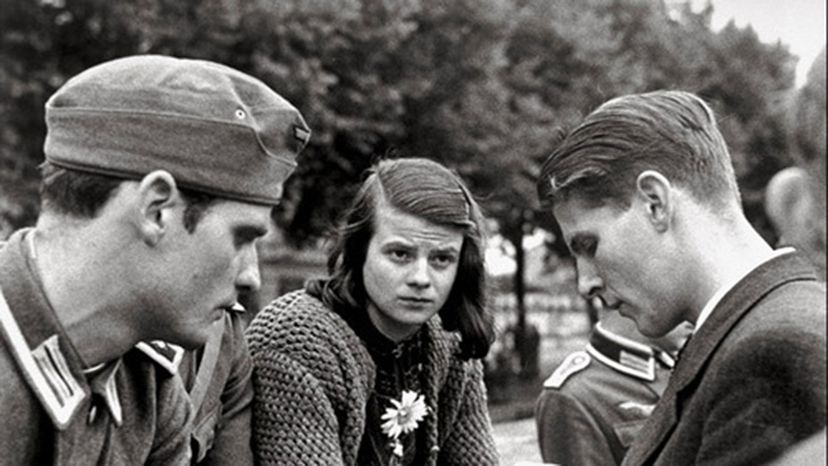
(194, 335)
(623, 310)
(192, 340)
(191, 345)
(651, 331)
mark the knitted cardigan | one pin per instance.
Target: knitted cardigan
(313, 377)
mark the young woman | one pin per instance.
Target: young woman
(380, 363)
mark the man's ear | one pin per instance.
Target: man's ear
(655, 192)
(157, 193)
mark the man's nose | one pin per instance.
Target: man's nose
(589, 283)
(248, 278)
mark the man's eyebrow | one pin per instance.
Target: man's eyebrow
(249, 232)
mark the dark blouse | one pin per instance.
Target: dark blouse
(398, 367)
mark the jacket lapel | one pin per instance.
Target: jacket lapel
(733, 306)
(655, 431)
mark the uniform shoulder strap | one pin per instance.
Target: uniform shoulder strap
(204, 374)
(574, 363)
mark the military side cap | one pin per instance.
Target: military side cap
(215, 129)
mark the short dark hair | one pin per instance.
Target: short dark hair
(82, 195)
(672, 132)
(430, 191)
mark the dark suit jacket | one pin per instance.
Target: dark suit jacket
(751, 381)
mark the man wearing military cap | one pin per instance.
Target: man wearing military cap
(160, 175)
(594, 403)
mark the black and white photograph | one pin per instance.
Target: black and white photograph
(413, 232)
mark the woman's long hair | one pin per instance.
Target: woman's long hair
(427, 190)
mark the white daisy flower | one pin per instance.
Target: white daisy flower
(405, 414)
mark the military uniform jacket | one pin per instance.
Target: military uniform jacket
(751, 380)
(595, 402)
(218, 380)
(132, 411)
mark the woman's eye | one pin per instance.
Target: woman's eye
(443, 260)
(399, 254)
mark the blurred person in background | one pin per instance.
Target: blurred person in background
(160, 176)
(795, 197)
(595, 402)
(791, 206)
(646, 196)
(381, 362)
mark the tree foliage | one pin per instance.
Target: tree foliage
(808, 122)
(483, 86)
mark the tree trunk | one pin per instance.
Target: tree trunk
(526, 345)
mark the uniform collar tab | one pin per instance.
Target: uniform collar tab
(64, 393)
(164, 354)
(622, 354)
(47, 370)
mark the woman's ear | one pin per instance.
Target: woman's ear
(157, 194)
(655, 192)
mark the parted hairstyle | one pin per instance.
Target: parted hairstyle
(672, 132)
(82, 195)
(427, 190)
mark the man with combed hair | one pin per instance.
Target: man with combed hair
(160, 175)
(645, 193)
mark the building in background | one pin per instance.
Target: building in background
(283, 268)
